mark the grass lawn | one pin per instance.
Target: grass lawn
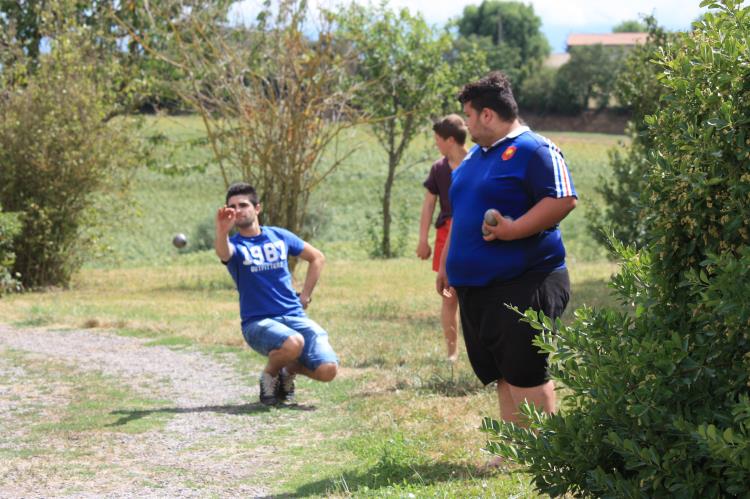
(399, 420)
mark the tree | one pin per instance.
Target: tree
(271, 99)
(658, 403)
(588, 77)
(60, 151)
(510, 34)
(25, 19)
(630, 26)
(143, 78)
(405, 80)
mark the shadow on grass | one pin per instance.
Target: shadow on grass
(126, 416)
(458, 385)
(383, 475)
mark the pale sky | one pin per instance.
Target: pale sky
(559, 17)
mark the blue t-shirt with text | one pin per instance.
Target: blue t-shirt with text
(259, 267)
(511, 176)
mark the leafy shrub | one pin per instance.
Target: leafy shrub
(9, 227)
(59, 147)
(658, 403)
(203, 235)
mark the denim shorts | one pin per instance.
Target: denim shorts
(269, 334)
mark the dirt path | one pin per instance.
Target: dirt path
(208, 446)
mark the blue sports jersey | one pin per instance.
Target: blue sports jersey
(261, 273)
(511, 176)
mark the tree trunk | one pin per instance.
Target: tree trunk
(386, 244)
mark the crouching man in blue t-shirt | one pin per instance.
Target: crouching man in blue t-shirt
(273, 320)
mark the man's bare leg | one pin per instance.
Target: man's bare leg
(288, 353)
(448, 320)
(511, 397)
(508, 407)
(542, 396)
(324, 372)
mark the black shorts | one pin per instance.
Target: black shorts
(498, 344)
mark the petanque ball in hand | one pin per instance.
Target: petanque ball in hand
(489, 217)
(179, 240)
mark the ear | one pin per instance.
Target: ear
(258, 208)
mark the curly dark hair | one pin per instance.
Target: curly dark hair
(245, 189)
(493, 92)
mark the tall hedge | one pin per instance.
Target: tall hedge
(658, 402)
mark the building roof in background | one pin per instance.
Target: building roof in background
(623, 39)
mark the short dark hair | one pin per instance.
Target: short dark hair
(493, 92)
(241, 188)
(451, 126)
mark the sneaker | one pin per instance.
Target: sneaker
(285, 388)
(268, 387)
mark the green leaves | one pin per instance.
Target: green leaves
(407, 75)
(656, 393)
(60, 148)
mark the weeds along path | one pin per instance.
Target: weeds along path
(189, 427)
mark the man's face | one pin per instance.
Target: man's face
(442, 144)
(245, 212)
(478, 130)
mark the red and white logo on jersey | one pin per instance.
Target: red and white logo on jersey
(509, 152)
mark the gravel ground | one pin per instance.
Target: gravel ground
(206, 448)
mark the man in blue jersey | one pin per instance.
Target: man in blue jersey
(521, 260)
(273, 318)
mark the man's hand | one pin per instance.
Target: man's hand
(225, 219)
(224, 223)
(503, 230)
(545, 214)
(305, 300)
(441, 284)
(423, 250)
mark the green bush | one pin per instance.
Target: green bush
(9, 227)
(60, 146)
(658, 403)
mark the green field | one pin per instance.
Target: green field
(398, 420)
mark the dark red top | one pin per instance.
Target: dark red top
(439, 182)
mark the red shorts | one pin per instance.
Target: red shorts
(441, 236)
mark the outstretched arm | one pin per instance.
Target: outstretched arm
(428, 207)
(224, 223)
(315, 260)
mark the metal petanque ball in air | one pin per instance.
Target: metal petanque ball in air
(179, 240)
